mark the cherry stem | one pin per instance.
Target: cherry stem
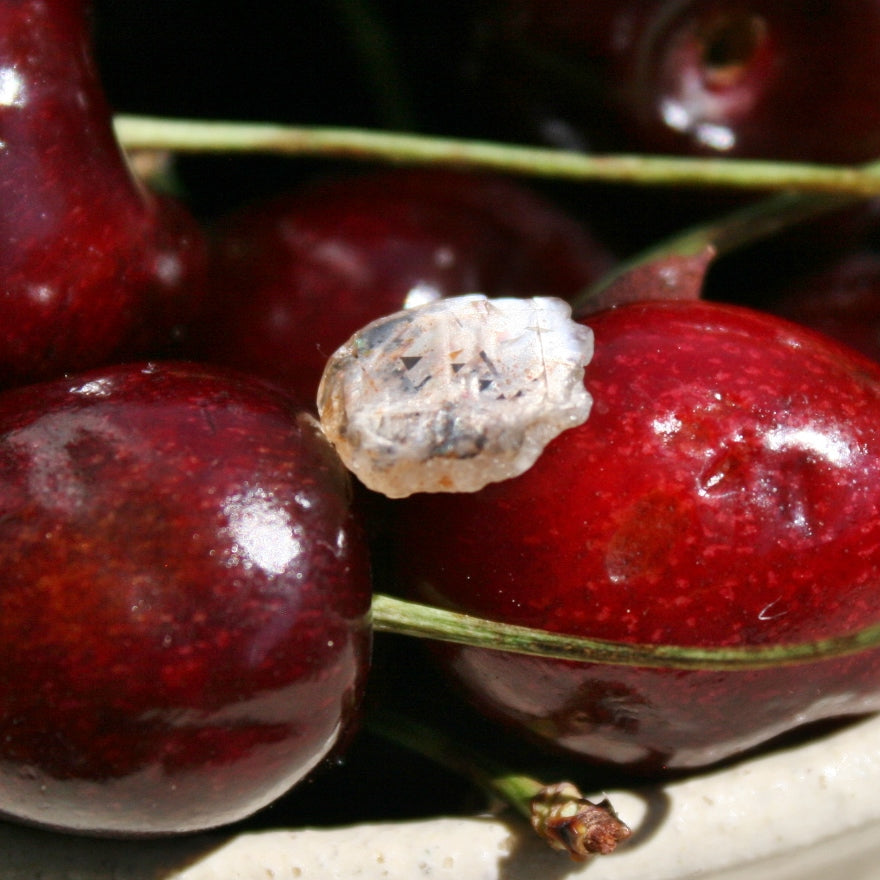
(558, 812)
(217, 136)
(725, 234)
(404, 617)
(373, 44)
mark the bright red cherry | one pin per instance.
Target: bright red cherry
(92, 266)
(184, 608)
(724, 491)
(295, 277)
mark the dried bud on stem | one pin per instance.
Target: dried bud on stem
(563, 817)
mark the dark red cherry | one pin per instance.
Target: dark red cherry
(747, 78)
(293, 278)
(824, 275)
(540, 71)
(184, 609)
(841, 300)
(92, 265)
(724, 491)
(752, 77)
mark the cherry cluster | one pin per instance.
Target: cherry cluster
(188, 569)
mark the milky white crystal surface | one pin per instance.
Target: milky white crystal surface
(455, 394)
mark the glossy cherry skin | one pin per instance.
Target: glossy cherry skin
(184, 607)
(750, 78)
(724, 491)
(745, 78)
(93, 267)
(293, 278)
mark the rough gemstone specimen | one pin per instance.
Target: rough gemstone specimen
(455, 394)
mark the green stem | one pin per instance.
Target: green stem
(196, 136)
(373, 44)
(724, 235)
(428, 622)
(516, 789)
(558, 812)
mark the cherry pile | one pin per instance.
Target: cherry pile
(187, 566)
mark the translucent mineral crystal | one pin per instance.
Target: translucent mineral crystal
(455, 394)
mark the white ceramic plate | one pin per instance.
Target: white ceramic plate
(806, 813)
